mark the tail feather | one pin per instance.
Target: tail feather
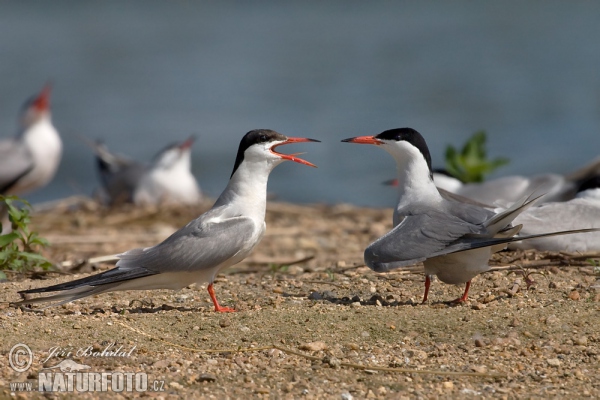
(504, 218)
(118, 274)
(476, 244)
(65, 297)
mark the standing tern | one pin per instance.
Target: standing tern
(581, 212)
(453, 239)
(166, 180)
(29, 160)
(219, 238)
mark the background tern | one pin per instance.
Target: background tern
(221, 237)
(581, 212)
(166, 180)
(30, 159)
(453, 239)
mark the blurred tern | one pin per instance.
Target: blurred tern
(581, 212)
(29, 160)
(453, 239)
(508, 189)
(166, 180)
(219, 238)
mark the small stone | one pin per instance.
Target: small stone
(196, 328)
(206, 378)
(552, 320)
(514, 322)
(478, 306)
(480, 369)
(313, 346)
(347, 396)
(574, 295)
(553, 362)
(278, 290)
(365, 334)
(580, 341)
(175, 385)
(596, 298)
(334, 362)
(295, 270)
(448, 385)
(161, 364)
(479, 342)
(315, 296)
(356, 304)
(224, 323)
(76, 326)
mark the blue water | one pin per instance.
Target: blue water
(141, 74)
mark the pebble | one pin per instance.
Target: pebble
(552, 319)
(355, 304)
(448, 385)
(581, 341)
(574, 295)
(553, 362)
(347, 396)
(224, 323)
(313, 346)
(207, 378)
(315, 296)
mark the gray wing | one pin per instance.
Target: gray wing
(195, 247)
(119, 175)
(15, 162)
(416, 238)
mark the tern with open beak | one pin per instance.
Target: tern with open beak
(453, 239)
(29, 160)
(219, 238)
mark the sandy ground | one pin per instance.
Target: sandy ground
(312, 321)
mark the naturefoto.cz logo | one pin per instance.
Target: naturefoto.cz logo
(71, 376)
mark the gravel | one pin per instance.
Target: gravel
(327, 327)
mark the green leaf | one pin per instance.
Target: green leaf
(471, 163)
(8, 238)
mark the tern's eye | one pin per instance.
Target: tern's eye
(263, 138)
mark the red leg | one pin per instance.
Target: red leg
(465, 294)
(218, 308)
(427, 284)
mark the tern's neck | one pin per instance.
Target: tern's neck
(246, 192)
(415, 184)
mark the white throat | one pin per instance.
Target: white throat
(246, 192)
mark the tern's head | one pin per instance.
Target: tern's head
(175, 155)
(36, 108)
(258, 146)
(404, 144)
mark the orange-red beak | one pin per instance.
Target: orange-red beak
(187, 143)
(42, 102)
(292, 157)
(364, 140)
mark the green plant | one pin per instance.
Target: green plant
(19, 248)
(471, 163)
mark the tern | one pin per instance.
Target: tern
(219, 238)
(453, 239)
(166, 180)
(581, 212)
(29, 160)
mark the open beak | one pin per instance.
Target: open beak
(187, 143)
(364, 140)
(42, 102)
(293, 157)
